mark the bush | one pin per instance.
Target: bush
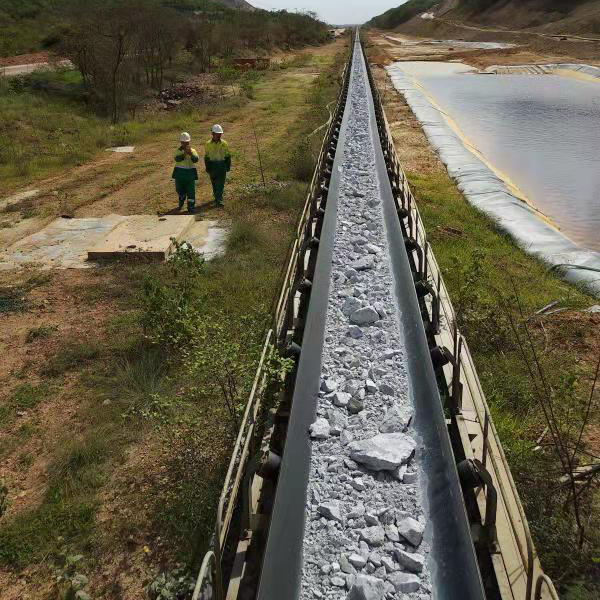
(171, 306)
(302, 162)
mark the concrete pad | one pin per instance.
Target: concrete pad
(121, 149)
(144, 236)
(64, 243)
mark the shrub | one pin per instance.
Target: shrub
(171, 306)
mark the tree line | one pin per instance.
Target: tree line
(124, 47)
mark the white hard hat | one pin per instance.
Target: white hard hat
(217, 129)
(185, 137)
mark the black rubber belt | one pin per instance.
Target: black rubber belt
(454, 571)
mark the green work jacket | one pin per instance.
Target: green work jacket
(185, 165)
(217, 157)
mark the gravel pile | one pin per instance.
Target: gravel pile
(365, 524)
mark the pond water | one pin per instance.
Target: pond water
(542, 131)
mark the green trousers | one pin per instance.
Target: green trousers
(218, 186)
(185, 186)
(218, 174)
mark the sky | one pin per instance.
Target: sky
(334, 11)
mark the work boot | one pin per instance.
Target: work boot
(191, 209)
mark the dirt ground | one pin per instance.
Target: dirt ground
(25, 59)
(530, 49)
(79, 305)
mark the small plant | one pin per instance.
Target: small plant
(171, 308)
(3, 498)
(302, 162)
(36, 333)
(172, 585)
(70, 585)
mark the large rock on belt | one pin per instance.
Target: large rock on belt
(410, 561)
(384, 452)
(374, 536)
(396, 419)
(366, 587)
(364, 316)
(404, 583)
(330, 510)
(411, 530)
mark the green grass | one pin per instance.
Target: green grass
(485, 273)
(71, 356)
(41, 332)
(15, 298)
(68, 509)
(24, 397)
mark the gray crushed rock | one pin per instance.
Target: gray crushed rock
(363, 536)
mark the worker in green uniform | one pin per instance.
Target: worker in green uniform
(185, 173)
(217, 160)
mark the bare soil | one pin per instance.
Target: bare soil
(25, 59)
(531, 47)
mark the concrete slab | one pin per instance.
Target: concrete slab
(64, 243)
(144, 236)
(121, 149)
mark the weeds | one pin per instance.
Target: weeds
(171, 307)
(3, 498)
(24, 397)
(243, 237)
(36, 333)
(71, 356)
(68, 508)
(302, 161)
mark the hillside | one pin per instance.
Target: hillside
(568, 16)
(239, 4)
(34, 25)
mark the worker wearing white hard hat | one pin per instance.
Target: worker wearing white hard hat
(185, 173)
(217, 160)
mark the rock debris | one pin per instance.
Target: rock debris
(364, 519)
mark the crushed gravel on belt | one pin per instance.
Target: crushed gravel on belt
(364, 522)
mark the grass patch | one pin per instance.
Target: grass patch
(71, 356)
(41, 332)
(68, 509)
(14, 298)
(24, 397)
(243, 237)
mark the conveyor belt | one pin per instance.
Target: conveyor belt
(451, 561)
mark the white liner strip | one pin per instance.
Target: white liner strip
(487, 192)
